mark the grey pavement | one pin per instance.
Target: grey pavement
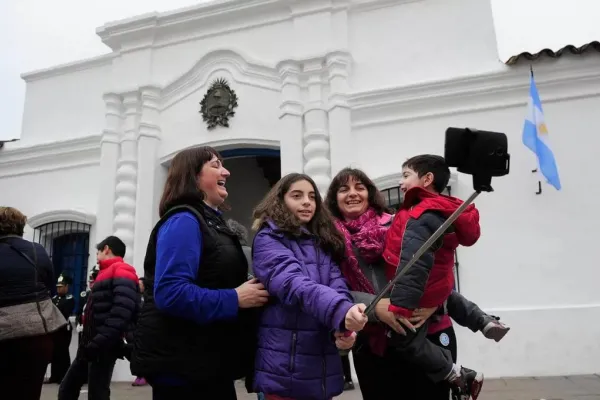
(551, 388)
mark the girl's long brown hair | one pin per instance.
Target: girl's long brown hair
(273, 208)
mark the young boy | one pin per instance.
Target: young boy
(430, 280)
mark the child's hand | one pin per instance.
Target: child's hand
(356, 319)
(344, 342)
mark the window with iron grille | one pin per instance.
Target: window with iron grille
(67, 244)
(393, 198)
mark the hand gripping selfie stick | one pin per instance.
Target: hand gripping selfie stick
(482, 154)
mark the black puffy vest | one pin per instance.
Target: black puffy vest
(167, 345)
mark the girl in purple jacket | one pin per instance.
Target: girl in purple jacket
(295, 256)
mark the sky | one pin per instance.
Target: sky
(36, 34)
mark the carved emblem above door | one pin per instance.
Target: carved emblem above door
(218, 104)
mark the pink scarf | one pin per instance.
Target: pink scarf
(368, 237)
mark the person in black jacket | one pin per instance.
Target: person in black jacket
(110, 314)
(28, 318)
(196, 333)
(61, 359)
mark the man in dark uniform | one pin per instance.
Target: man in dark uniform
(61, 360)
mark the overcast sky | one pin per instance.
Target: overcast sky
(37, 34)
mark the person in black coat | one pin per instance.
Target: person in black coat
(110, 315)
(61, 358)
(26, 277)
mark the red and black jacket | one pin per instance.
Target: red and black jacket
(430, 280)
(112, 307)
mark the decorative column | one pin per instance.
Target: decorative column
(343, 146)
(291, 142)
(126, 188)
(146, 213)
(109, 155)
(316, 136)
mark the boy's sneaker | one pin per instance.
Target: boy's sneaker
(467, 385)
(493, 328)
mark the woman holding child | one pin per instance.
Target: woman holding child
(360, 214)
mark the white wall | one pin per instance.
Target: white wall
(66, 189)
(421, 41)
(66, 104)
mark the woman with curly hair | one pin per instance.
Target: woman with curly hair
(296, 254)
(28, 318)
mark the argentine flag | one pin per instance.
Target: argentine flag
(535, 137)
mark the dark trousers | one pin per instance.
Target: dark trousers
(98, 372)
(23, 364)
(379, 376)
(415, 349)
(222, 390)
(421, 386)
(465, 312)
(61, 359)
(346, 368)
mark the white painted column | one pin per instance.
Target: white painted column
(147, 163)
(109, 156)
(291, 141)
(316, 135)
(342, 142)
(126, 188)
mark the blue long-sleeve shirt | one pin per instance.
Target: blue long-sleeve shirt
(178, 254)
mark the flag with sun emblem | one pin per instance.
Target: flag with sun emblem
(535, 137)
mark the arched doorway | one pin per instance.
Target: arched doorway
(253, 172)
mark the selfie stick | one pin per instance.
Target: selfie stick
(422, 250)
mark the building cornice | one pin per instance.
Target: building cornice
(215, 18)
(53, 156)
(62, 69)
(557, 80)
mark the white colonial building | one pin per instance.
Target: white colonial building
(321, 85)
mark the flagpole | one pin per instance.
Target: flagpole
(536, 169)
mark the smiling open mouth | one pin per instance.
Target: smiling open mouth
(221, 183)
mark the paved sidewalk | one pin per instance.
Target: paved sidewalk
(553, 388)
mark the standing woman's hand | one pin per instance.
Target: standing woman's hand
(388, 317)
(252, 294)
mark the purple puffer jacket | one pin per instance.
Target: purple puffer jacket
(296, 355)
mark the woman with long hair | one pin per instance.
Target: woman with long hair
(296, 254)
(196, 331)
(362, 217)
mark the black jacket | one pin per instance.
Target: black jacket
(111, 309)
(167, 345)
(17, 274)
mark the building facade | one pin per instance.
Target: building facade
(321, 85)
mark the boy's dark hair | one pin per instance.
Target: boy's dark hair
(430, 163)
(376, 200)
(115, 245)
